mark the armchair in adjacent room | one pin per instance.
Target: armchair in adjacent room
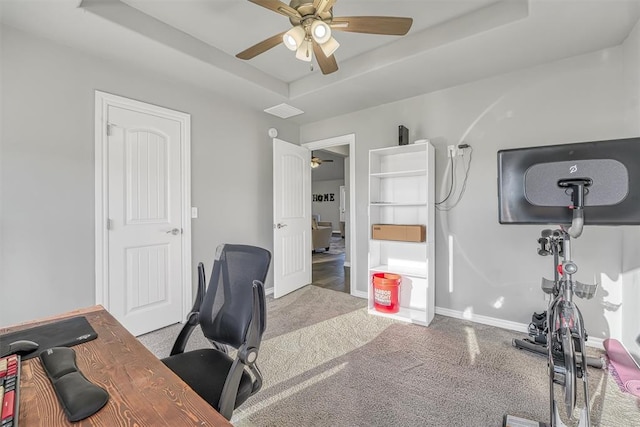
(320, 233)
(231, 313)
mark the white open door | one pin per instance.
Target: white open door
(291, 217)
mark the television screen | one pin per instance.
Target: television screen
(531, 190)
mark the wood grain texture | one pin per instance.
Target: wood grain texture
(142, 390)
(327, 65)
(331, 275)
(261, 47)
(389, 25)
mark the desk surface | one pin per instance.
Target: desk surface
(142, 390)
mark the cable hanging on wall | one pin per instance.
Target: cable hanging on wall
(441, 205)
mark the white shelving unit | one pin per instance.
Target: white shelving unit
(401, 191)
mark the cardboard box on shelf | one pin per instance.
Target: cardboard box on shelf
(403, 233)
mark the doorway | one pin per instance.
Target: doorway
(143, 232)
(339, 273)
(328, 258)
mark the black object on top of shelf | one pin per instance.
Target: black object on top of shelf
(403, 135)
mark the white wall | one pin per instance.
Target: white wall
(629, 317)
(47, 170)
(496, 271)
(328, 210)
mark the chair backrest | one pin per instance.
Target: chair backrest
(227, 307)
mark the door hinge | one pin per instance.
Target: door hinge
(109, 129)
(109, 225)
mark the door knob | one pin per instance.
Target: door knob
(174, 231)
(280, 225)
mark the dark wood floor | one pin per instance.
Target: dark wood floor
(332, 274)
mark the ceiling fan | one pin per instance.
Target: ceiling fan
(317, 161)
(313, 23)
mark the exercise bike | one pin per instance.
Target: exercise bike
(566, 335)
(550, 244)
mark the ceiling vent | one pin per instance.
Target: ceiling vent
(284, 111)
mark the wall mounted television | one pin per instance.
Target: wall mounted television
(529, 190)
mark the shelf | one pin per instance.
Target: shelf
(403, 271)
(403, 242)
(405, 314)
(401, 192)
(400, 149)
(416, 172)
(392, 204)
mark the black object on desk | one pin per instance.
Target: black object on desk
(79, 397)
(9, 390)
(62, 333)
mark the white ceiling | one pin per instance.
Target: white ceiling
(451, 42)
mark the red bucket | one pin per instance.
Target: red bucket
(386, 292)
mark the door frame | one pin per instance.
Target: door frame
(103, 101)
(350, 141)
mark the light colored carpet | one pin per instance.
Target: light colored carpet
(327, 362)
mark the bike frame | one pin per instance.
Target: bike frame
(564, 323)
(565, 327)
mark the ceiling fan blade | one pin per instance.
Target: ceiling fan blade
(323, 6)
(278, 7)
(327, 65)
(388, 25)
(261, 47)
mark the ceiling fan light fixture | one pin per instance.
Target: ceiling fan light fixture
(313, 23)
(314, 163)
(305, 51)
(293, 38)
(330, 47)
(320, 31)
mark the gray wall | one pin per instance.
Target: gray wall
(496, 271)
(47, 170)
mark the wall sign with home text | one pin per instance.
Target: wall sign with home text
(327, 197)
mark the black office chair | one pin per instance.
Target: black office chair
(231, 313)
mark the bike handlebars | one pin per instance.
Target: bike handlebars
(578, 190)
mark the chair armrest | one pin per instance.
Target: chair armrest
(247, 354)
(193, 317)
(181, 342)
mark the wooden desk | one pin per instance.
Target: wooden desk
(142, 390)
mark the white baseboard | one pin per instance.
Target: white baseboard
(359, 294)
(504, 324)
(485, 320)
(268, 291)
(596, 342)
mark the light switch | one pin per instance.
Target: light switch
(194, 212)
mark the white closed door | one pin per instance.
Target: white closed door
(144, 238)
(291, 217)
